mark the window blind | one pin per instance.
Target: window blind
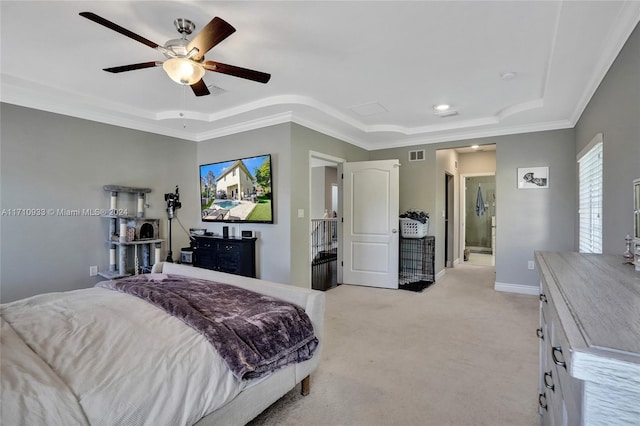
(590, 198)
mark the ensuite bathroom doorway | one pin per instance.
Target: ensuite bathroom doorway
(480, 220)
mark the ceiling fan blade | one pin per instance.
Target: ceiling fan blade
(260, 77)
(200, 88)
(132, 67)
(115, 27)
(213, 33)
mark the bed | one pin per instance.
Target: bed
(105, 356)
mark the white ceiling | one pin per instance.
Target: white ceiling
(329, 59)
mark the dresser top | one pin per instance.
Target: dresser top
(602, 295)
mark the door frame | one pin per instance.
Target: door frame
(337, 161)
(449, 228)
(463, 206)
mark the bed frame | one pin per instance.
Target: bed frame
(254, 400)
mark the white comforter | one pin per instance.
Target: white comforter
(105, 358)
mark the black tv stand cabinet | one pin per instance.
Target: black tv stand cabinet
(231, 255)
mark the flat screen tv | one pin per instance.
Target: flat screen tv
(237, 191)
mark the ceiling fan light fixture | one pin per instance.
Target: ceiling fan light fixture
(183, 71)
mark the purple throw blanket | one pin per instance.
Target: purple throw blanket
(254, 334)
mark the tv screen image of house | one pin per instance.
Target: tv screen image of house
(237, 191)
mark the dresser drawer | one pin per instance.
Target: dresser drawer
(544, 301)
(560, 357)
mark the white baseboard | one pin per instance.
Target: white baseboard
(440, 274)
(517, 288)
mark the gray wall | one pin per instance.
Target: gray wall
(304, 140)
(54, 161)
(446, 163)
(316, 211)
(330, 180)
(614, 110)
(283, 248)
(533, 219)
(518, 234)
(322, 180)
(273, 250)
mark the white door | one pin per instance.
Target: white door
(370, 228)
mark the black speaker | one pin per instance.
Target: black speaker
(225, 232)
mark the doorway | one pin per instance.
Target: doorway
(449, 191)
(479, 210)
(324, 207)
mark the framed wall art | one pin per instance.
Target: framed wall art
(533, 177)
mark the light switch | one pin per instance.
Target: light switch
(300, 212)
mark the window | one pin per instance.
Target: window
(590, 197)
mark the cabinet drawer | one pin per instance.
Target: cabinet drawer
(551, 402)
(560, 357)
(544, 301)
(235, 256)
(229, 246)
(205, 243)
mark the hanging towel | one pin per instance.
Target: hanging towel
(479, 203)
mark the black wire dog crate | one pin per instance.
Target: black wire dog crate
(417, 261)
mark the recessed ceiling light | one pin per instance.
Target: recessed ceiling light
(475, 146)
(441, 107)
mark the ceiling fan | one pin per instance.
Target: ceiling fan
(185, 62)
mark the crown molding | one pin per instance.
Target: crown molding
(272, 120)
(482, 133)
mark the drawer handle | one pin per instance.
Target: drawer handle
(540, 333)
(542, 400)
(556, 361)
(543, 298)
(546, 384)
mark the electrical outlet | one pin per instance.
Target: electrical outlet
(93, 271)
(530, 265)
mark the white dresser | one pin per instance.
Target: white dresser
(589, 340)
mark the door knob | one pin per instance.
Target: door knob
(395, 231)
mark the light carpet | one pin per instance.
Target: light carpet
(459, 353)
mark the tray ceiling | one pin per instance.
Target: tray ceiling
(368, 73)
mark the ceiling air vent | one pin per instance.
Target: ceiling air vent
(215, 90)
(416, 155)
(445, 114)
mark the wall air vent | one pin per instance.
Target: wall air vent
(416, 155)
